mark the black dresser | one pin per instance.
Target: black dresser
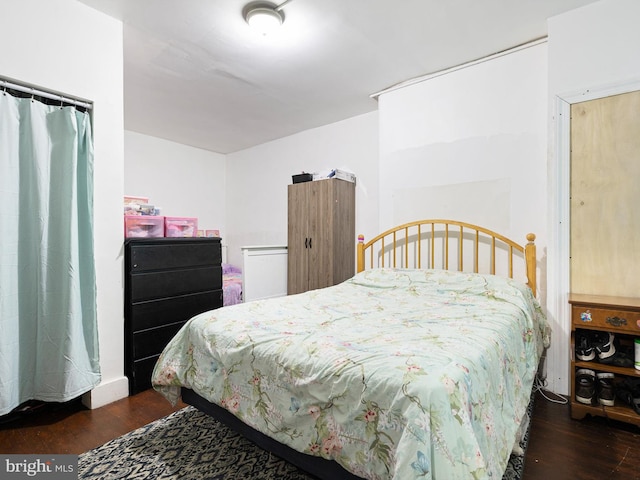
(167, 281)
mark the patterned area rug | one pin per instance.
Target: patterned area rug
(191, 445)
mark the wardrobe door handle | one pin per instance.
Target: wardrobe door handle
(310, 243)
(305, 242)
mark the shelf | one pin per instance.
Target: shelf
(620, 316)
(620, 413)
(601, 367)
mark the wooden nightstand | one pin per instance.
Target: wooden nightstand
(620, 316)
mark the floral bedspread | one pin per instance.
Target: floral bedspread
(393, 374)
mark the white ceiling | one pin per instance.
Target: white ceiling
(194, 72)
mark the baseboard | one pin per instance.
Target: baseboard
(106, 392)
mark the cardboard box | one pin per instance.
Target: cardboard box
(344, 175)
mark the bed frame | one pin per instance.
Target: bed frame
(445, 244)
(317, 466)
(449, 245)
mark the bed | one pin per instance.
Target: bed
(420, 366)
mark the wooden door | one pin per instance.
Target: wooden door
(605, 220)
(309, 236)
(297, 233)
(332, 230)
(344, 231)
(321, 246)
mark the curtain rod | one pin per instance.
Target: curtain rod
(42, 93)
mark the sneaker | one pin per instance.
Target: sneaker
(584, 347)
(609, 351)
(619, 359)
(585, 385)
(605, 389)
(604, 343)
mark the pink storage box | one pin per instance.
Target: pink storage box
(128, 199)
(143, 226)
(180, 227)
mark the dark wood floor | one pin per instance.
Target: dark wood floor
(559, 448)
(593, 448)
(70, 428)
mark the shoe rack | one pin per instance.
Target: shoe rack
(617, 315)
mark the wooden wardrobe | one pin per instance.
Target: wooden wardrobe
(321, 234)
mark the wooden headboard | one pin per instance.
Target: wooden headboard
(449, 245)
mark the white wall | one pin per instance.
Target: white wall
(184, 181)
(67, 47)
(470, 145)
(593, 52)
(257, 179)
(594, 46)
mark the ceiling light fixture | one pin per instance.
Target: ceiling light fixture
(264, 17)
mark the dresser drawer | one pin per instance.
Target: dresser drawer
(606, 319)
(140, 374)
(156, 313)
(156, 285)
(173, 253)
(151, 342)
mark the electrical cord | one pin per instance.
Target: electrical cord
(540, 382)
(539, 386)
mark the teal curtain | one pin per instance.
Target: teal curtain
(48, 329)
